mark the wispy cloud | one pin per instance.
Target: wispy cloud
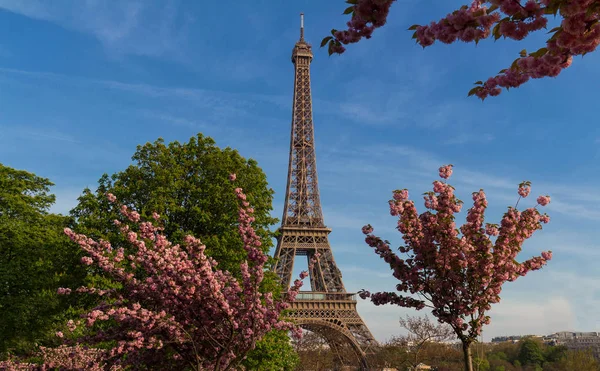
(371, 165)
(125, 27)
(541, 317)
(222, 104)
(174, 120)
(567, 243)
(579, 211)
(37, 133)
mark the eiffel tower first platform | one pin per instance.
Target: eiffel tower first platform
(327, 309)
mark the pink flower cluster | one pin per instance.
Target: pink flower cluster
(446, 171)
(175, 307)
(543, 200)
(367, 15)
(458, 273)
(64, 358)
(578, 34)
(524, 189)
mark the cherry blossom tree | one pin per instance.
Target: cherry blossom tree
(175, 309)
(64, 357)
(577, 34)
(458, 276)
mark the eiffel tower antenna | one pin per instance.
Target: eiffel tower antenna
(327, 309)
(301, 26)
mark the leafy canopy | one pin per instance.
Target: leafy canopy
(35, 259)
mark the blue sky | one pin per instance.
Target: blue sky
(83, 82)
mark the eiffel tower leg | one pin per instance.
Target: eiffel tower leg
(284, 265)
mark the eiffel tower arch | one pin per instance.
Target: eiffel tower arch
(327, 309)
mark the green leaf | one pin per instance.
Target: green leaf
(554, 29)
(354, 2)
(333, 31)
(552, 8)
(474, 90)
(539, 53)
(492, 8)
(556, 34)
(523, 53)
(514, 65)
(479, 82)
(326, 40)
(413, 27)
(349, 10)
(496, 31)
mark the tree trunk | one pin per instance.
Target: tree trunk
(467, 354)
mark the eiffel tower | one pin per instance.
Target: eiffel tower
(327, 309)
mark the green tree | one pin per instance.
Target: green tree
(36, 258)
(481, 364)
(188, 185)
(273, 353)
(530, 353)
(555, 353)
(580, 360)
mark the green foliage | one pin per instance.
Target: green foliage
(530, 353)
(188, 185)
(555, 353)
(481, 364)
(273, 353)
(576, 360)
(36, 258)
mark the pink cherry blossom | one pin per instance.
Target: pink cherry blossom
(446, 171)
(491, 229)
(524, 191)
(401, 195)
(458, 273)
(577, 34)
(63, 291)
(232, 177)
(185, 310)
(543, 200)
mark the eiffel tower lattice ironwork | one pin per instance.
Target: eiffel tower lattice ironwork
(327, 309)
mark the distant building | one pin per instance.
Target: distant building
(576, 341)
(512, 338)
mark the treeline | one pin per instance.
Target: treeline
(529, 354)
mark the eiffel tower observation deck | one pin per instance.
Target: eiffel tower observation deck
(327, 309)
